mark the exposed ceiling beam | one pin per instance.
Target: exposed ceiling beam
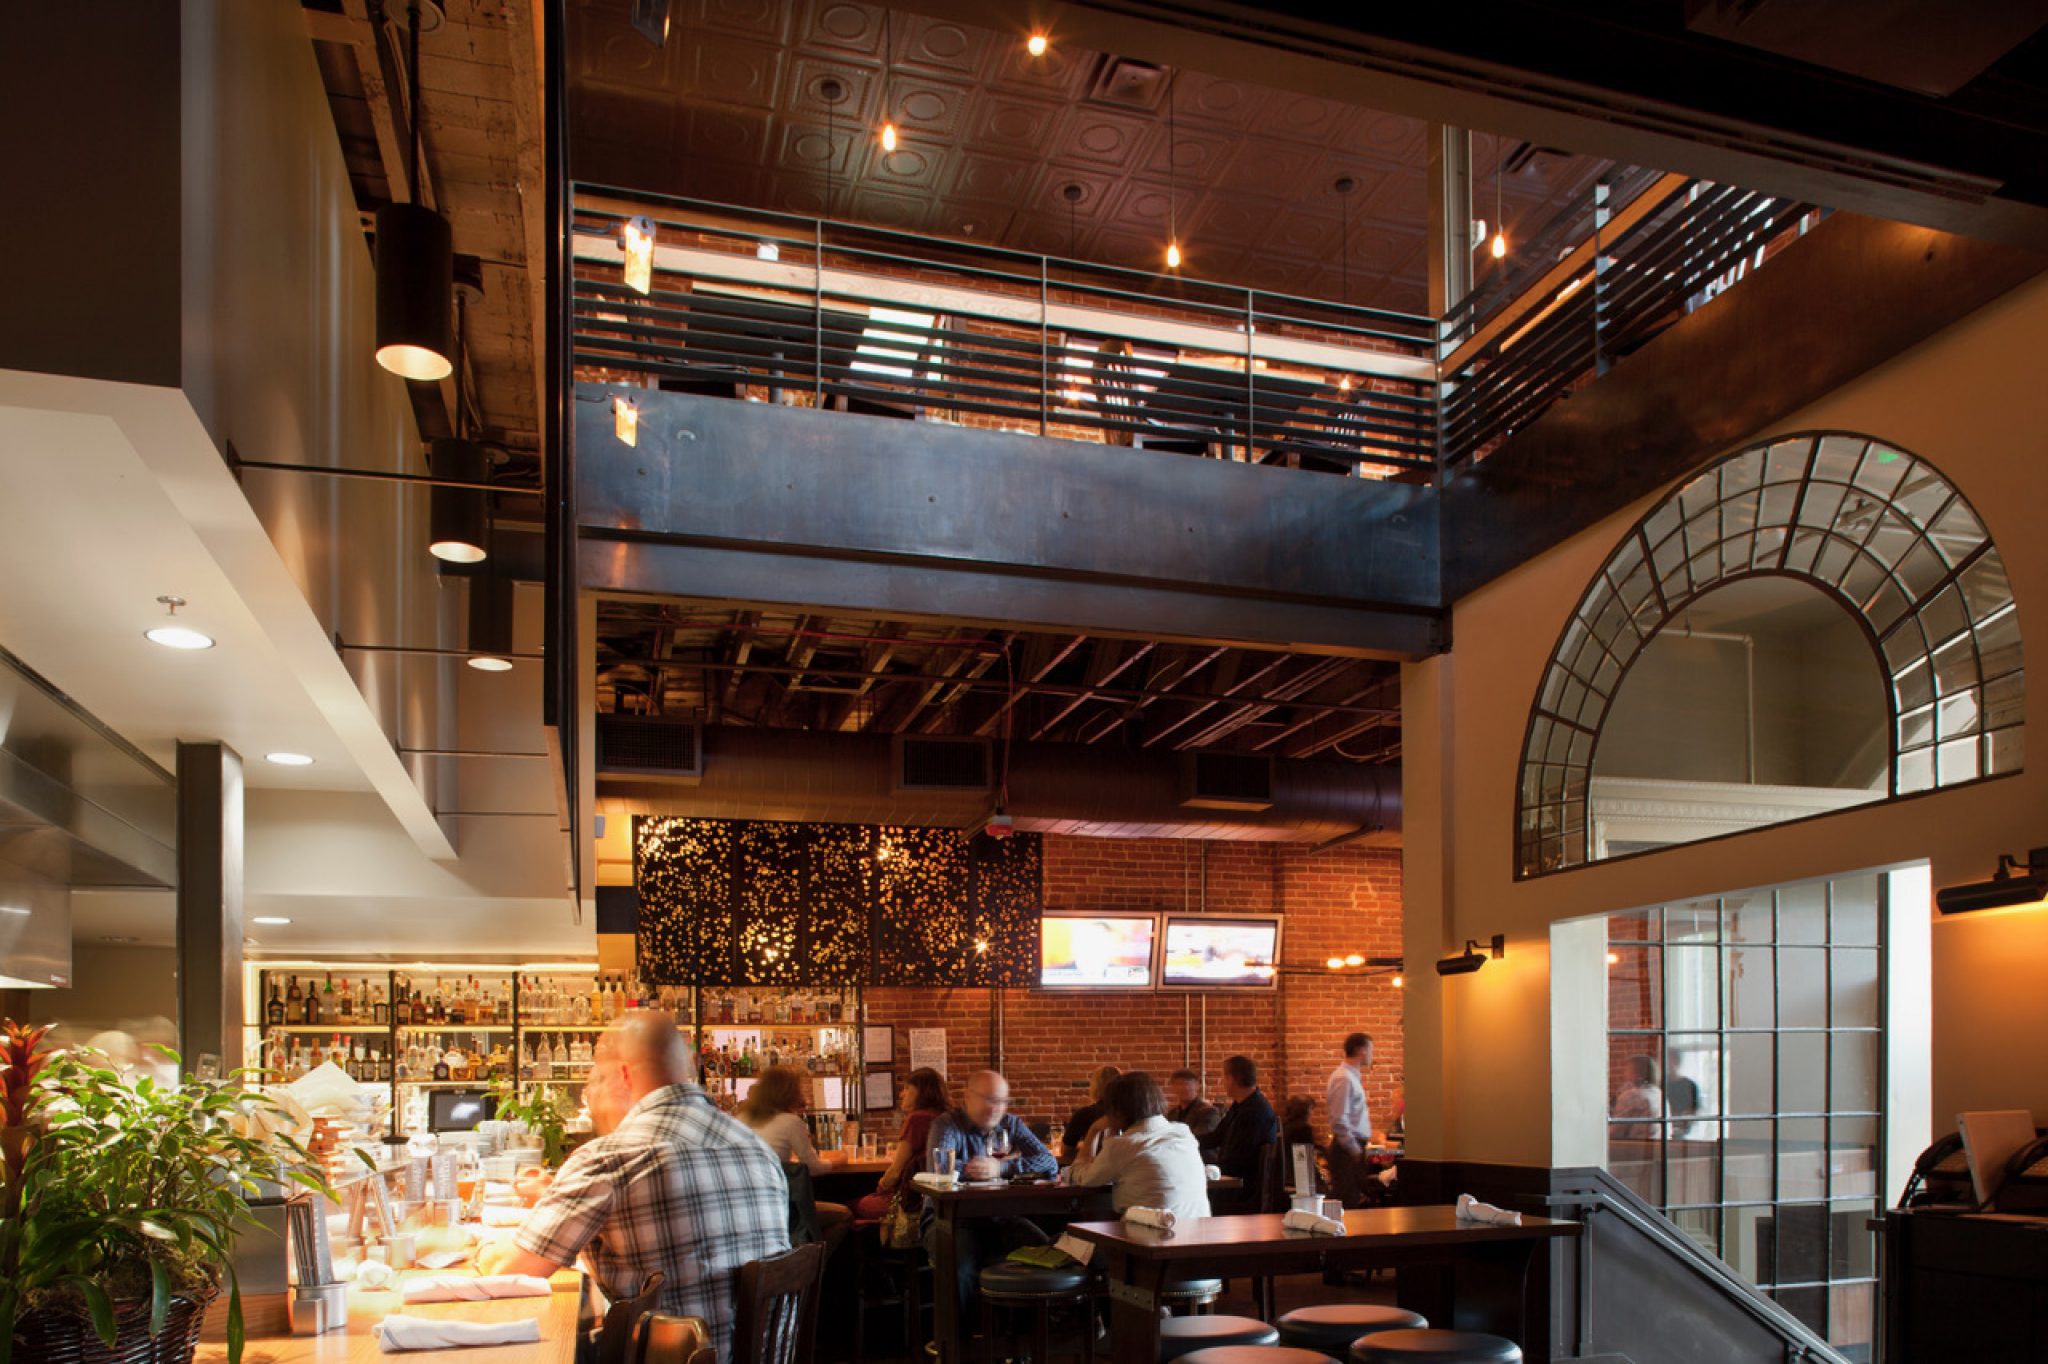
(1104, 668)
(1230, 693)
(1191, 663)
(1037, 672)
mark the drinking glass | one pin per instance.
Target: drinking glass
(946, 1163)
(999, 1144)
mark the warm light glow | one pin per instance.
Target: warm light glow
(288, 760)
(1399, 982)
(457, 551)
(980, 946)
(883, 852)
(888, 137)
(1500, 245)
(1344, 384)
(270, 920)
(1036, 44)
(1173, 255)
(626, 419)
(639, 233)
(1335, 963)
(490, 663)
(1614, 958)
(1263, 970)
(416, 363)
(1354, 960)
(178, 637)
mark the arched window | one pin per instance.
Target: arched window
(1880, 531)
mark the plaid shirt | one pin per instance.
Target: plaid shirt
(679, 1187)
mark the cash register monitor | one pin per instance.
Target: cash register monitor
(458, 1110)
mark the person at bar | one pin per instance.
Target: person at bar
(966, 1134)
(671, 1184)
(922, 1098)
(1148, 1161)
(1086, 1116)
(1189, 1108)
(1248, 1127)
(1350, 1120)
(774, 1108)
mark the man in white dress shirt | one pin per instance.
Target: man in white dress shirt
(1148, 1161)
(1350, 1124)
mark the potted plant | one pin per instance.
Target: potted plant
(545, 1112)
(121, 1202)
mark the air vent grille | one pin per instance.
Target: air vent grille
(1227, 781)
(942, 765)
(650, 747)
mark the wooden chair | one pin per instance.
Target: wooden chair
(615, 1336)
(775, 1320)
(662, 1339)
(803, 1205)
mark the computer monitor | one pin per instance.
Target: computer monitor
(459, 1110)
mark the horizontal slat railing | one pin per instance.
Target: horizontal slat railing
(797, 310)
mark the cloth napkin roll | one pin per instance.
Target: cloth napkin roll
(1471, 1209)
(925, 1179)
(397, 1332)
(1212, 1172)
(1161, 1218)
(1313, 1222)
(465, 1288)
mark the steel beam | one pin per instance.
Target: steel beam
(757, 503)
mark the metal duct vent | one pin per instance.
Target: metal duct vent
(1226, 781)
(649, 746)
(924, 764)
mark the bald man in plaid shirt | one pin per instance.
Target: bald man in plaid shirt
(673, 1184)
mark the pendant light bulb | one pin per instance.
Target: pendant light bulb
(1500, 245)
(639, 252)
(1036, 44)
(888, 137)
(626, 419)
(1173, 255)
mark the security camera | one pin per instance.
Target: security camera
(1000, 826)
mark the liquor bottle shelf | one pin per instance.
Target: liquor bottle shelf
(327, 1028)
(455, 1027)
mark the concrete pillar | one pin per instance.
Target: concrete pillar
(1450, 216)
(210, 863)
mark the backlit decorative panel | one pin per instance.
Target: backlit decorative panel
(763, 903)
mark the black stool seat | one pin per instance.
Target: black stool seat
(1011, 1279)
(1438, 1347)
(1332, 1327)
(1180, 1336)
(1193, 1288)
(1254, 1354)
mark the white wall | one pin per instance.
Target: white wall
(1971, 401)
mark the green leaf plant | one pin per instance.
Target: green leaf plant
(126, 1190)
(544, 1109)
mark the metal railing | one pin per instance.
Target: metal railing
(1601, 1193)
(811, 312)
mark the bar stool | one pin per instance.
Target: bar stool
(1181, 1336)
(1332, 1327)
(898, 1272)
(1190, 1295)
(1254, 1354)
(1009, 1284)
(1435, 1347)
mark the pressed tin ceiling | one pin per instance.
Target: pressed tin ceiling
(733, 110)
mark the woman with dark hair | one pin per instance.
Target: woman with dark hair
(922, 1098)
(774, 1108)
(1073, 1138)
(1147, 1161)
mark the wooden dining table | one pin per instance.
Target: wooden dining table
(1139, 1260)
(953, 1209)
(559, 1314)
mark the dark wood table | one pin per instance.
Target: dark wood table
(953, 1208)
(1138, 1260)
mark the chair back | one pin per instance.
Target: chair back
(662, 1339)
(776, 1317)
(615, 1336)
(803, 1205)
(1269, 1183)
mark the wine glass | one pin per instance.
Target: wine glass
(999, 1144)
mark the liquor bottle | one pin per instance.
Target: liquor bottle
(294, 1002)
(458, 1012)
(345, 1003)
(594, 1010)
(310, 1014)
(328, 1007)
(273, 1012)
(441, 1070)
(380, 1009)
(401, 1004)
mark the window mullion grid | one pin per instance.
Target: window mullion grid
(1827, 1122)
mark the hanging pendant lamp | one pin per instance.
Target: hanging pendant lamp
(490, 623)
(415, 256)
(458, 519)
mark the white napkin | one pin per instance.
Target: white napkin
(479, 1288)
(442, 1259)
(1161, 1218)
(1212, 1172)
(504, 1214)
(925, 1179)
(1313, 1222)
(1471, 1209)
(396, 1333)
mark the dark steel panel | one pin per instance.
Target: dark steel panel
(1852, 294)
(711, 472)
(210, 878)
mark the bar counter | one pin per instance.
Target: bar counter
(558, 1314)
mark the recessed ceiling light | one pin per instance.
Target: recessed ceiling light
(288, 759)
(270, 920)
(1036, 44)
(175, 636)
(491, 663)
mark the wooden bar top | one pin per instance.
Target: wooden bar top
(1264, 1234)
(366, 1307)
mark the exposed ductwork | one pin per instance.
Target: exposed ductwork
(1053, 788)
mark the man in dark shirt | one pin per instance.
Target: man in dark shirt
(1248, 1127)
(964, 1134)
(1184, 1087)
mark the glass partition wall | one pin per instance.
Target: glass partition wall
(1745, 1056)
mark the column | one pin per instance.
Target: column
(210, 1006)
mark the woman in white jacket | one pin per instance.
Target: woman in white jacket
(1147, 1161)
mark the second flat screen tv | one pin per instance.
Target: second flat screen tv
(1096, 951)
(1208, 952)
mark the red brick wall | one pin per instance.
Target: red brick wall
(1336, 902)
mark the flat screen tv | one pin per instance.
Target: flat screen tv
(1097, 951)
(1210, 952)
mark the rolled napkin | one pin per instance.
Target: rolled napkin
(397, 1332)
(1471, 1209)
(1161, 1218)
(925, 1179)
(1212, 1172)
(504, 1214)
(465, 1288)
(1312, 1222)
(373, 1274)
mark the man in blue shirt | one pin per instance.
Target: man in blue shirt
(984, 1111)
